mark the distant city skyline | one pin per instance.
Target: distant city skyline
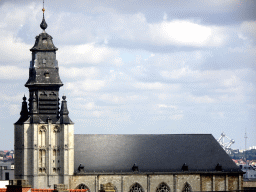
(138, 67)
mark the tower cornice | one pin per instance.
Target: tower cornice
(44, 43)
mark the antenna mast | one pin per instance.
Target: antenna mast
(245, 142)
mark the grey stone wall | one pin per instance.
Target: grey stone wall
(41, 169)
(150, 183)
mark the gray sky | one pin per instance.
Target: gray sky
(138, 67)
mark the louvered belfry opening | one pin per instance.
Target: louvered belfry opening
(48, 102)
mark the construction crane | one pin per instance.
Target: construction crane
(226, 144)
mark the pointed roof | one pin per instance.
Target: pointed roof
(24, 112)
(44, 41)
(64, 118)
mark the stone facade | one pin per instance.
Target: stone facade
(45, 153)
(153, 182)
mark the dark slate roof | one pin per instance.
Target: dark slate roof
(42, 119)
(37, 77)
(151, 153)
(44, 43)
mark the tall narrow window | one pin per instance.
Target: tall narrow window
(56, 131)
(162, 187)
(136, 188)
(40, 138)
(43, 158)
(187, 188)
(54, 152)
(43, 138)
(42, 132)
(40, 159)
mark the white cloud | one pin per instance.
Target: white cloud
(13, 18)
(179, 73)
(171, 111)
(165, 16)
(177, 60)
(218, 115)
(88, 53)
(185, 33)
(232, 81)
(8, 98)
(176, 32)
(13, 72)
(97, 113)
(139, 70)
(14, 109)
(166, 106)
(113, 98)
(248, 29)
(117, 99)
(226, 3)
(202, 99)
(222, 77)
(88, 85)
(83, 72)
(176, 117)
(155, 85)
(89, 106)
(13, 49)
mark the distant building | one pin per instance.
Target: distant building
(6, 170)
(47, 152)
(250, 171)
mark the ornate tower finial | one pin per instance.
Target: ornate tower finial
(43, 7)
(43, 25)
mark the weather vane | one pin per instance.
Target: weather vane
(43, 7)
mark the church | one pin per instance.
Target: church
(47, 151)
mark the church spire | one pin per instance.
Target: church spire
(44, 81)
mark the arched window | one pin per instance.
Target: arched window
(162, 187)
(83, 186)
(42, 132)
(54, 152)
(136, 188)
(187, 188)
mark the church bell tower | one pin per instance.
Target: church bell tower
(44, 133)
